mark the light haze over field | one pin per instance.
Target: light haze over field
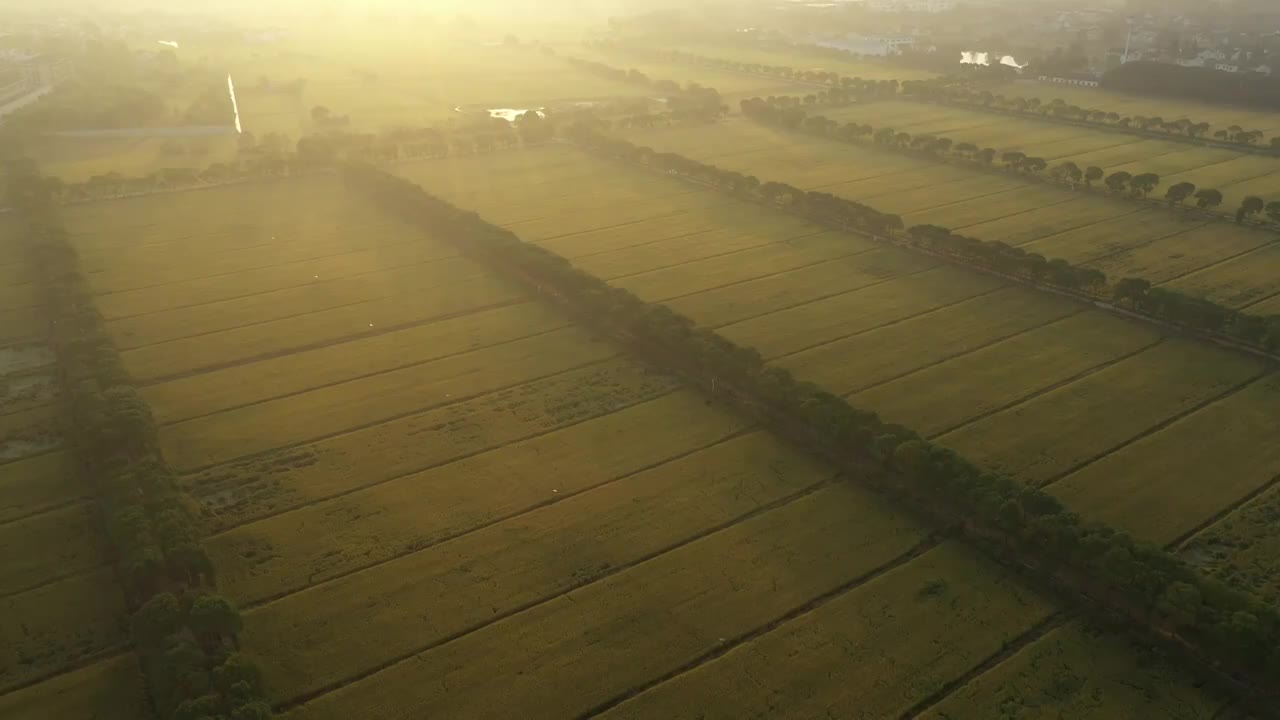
(639, 360)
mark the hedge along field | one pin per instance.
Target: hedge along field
(63, 634)
(874, 313)
(1226, 263)
(346, 479)
(1220, 116)
(1236, 174)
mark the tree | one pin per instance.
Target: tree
(1208, 198)
(320, 114)
(1179, 192)
(1012, 159)
(160, 617)
(213, 619)
(1092, 175)
(1273, 211)
(1250, 207)
(1117, 181)
(986, 156)
(1143, 184)
(1131, 289)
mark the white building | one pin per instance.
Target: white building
(916, 6)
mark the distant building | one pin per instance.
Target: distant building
(1077, 80)
(879, 45)
(915, 6)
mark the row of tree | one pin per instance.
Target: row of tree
(841, 86)
(948, 91)
(1227, 630)
(185, 633)
(1190, 312)
(788, 114)
(692, 101)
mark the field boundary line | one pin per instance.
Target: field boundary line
(1015, 214)
(1068, 156)
(1261, 300)
(825, 186)
(1050, 388)
(91, 276)
(956, 356)
(1242, 150)
(959, 202)
(175, 243)
(1074, 228)
(62, 505)
(879, 326)
(256, 323)
(109, 652)
(695, 233)
(743, 430)
(322, 281)
(1138, 246)
(1023, 641)
(365, 376)
(766, 276)
(1184, 539)
(103, 564)
(820, 298)
(144, 382)
(398, 416)
(727, 253)
(696, 536)
(214, 531)
(61, 445)
(512, 227)
(1215, 263)
(929, 542)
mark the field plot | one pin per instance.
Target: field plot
(1237, 175)
(1230, 264)
(802, 60)
(1014, 378)
(491, 500)
(1170, 109)
(63, 636)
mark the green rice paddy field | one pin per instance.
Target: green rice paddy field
(435, 497)
(1109, 414)
(1233, 265)
(1237, 175)
(1220, 116)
